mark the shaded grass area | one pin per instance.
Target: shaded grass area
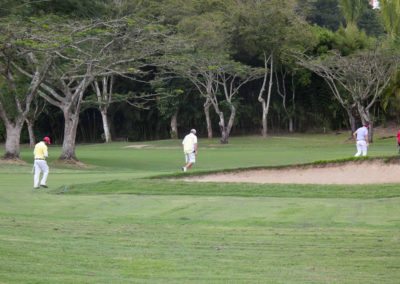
(166, 187)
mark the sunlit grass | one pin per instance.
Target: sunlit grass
(109, 223)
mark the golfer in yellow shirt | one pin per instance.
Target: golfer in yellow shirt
(40, 152)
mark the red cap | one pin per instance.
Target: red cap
(47, 140)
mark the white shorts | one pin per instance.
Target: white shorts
(362, 148)
(190, 157)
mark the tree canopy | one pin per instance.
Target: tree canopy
(231, 65)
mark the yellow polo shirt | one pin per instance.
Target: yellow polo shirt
(40, 151)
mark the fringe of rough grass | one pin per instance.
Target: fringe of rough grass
(319, 164)
(169, 188)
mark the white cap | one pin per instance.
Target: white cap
(193, 131)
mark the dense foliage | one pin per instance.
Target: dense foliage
(143, 71)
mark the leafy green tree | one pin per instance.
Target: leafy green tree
(70, 8)
(324, 13)
(390, 101)
(370, 22)
(363, 76)
(21, 52)
(351, 39)
(232, 76)
(90, 53)
(201, 71)
(204, 31)
(218, 79)
(352, 11)
(103, 88)
(36, 109)
(390, 12)
(262, 31)
(171, 98)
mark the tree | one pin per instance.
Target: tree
(324, 13)
(204, 30)
(371, 22)
(262, 31)
(216, 76)
(286, 86)
(20, 52)
(200, 70)
(90, 54)
(172, 97)
(363, 77)
(390, 15)
(104, 97)
(38, 106)
(231, 77)
(265, 102)
(352, 10)
(390, 12)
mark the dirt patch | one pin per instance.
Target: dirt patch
(71, 164)
(138, 146)
(372, 172)
(151, 147)
(12, 162)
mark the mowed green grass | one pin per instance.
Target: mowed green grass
(109, 223)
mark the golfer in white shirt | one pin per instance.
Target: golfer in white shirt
(190, 149)
(361, 136)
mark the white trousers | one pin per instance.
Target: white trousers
(40, 166)
(361, 148)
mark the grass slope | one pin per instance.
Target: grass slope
(163, 187)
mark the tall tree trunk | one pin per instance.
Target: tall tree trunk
(106, 125)
(30, 125)
(291, 127)
(22, 107)
(264, 119)
(366, 118)
(13, 133)
(223, 128)
(70, 104)
(207, 105)
(265, 103)
(371, 132)
(352, 121)
(174, 125)
(293, 110)
(71, 125)
(230, 121)
(283, 94)
(104, 92)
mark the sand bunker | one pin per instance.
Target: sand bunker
(368, 172)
